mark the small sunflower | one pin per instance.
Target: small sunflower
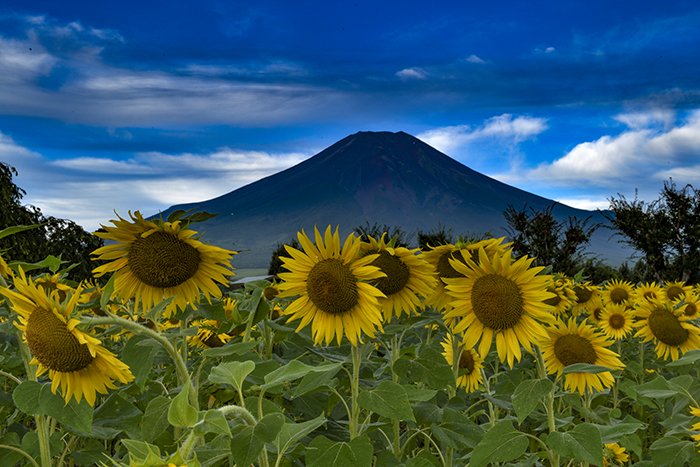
(689, 305)
(333, 286)
(616, 321)
(614, 454)
(500, 299)
(675, 290)
(207, 336)
(156, 260)
(671, 330)
(49, 283)
(408, 277)
(5, 270)
(695, 412)
(439, 257)
(569, 343)
(617, 291)
(74, 360)
(587, 298)
(564, 296)
(470, 364)
(648, 291)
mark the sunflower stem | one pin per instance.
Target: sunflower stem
(238, 412)
(10, 376)
(549, 402)
(395, 353)
(641, 360)
(355, 391)
(456, 355)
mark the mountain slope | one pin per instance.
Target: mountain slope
(389, 178)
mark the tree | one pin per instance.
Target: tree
(376, 231)
(552, 242)
(58, 237)
(665, 231)
(440, 235)
(276, 265)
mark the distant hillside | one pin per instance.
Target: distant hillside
(383, 177)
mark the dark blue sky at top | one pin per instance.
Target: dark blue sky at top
(322, 70)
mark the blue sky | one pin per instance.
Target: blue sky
(149, 104)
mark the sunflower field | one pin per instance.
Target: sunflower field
(360, 353)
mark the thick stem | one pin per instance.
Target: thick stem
(355, 392)
(238, 412)
(549, 402)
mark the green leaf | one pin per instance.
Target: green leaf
(657, 388)
(430, 368)
(237, 348)
(672, 451)
(502, 443)
(322, 452)
(418, 395)
(118, 414)
(107, 292)
(176, 215)
(35, 398)
(233, 373)
(583, 443)
(314, 381)
(140, 358)
(688, 358)
(528, 395)
(295, 370)
(458, 434)
(293, 433)
(389, 400)
(51, 263)
(182, 413)
(155, 419)
(585, 368)
(614, 430)
(247, 442)
(142, 454)
(155, 312)
(213, 421)
(16, 229)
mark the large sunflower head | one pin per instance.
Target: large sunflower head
(439, 257)
(74, 360)
(616, 321)
(408, 277)
(648, 291)
(618, 292)
(153, 261)
(670, 329)
(675, 290)
(333, 286)
(587, 298)
(689, 305)
(470, 364)
(569, 343)
(500, 299)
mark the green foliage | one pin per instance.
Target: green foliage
(440, 235)
(276, 266)
(395, 234)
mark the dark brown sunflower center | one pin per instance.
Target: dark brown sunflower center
(674, 292)
(666, 327)
(554, 301)
(650, 295)
(497, 301)
(466, 362)
(211, 339)
(397, 273)
(332, 287)
(163, 260)
(572, 348)
(445, 269)
(597, 313)
(53, 345)
(690, 309)
(618, 295)
(583, 294)
(617, 321)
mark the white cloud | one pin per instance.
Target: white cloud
(412, 73)
(88, 190)
(589, 204)
(648, 118)
(474, 59)
(503, 127)
(549, 50)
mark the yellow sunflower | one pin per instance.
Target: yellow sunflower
(74, 360)
(587, 298)
(689, 305)
(618, 291)
(670, 329)
(49, 283)
(569, 343)
(614, 454)
(502, 299)
(408, 277)
(648, 291)
(5, 270)
(207, 336)
(675, 290)
(564, 296)
(616, 321)
(695, 412)
(333, 286)
(439, 257)
(153, 261)
(470, 364)
(595, 309)
(490, 245)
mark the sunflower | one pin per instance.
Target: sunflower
(156, 260)
(470, 364)
(648, 291)
(564, 296)
(74, 360)
(595, 310)
(587, 298)
(490, 245)
(670, 329)
(689, 305)
(439, 257)
(49, 283)
(695, 412)
(618, 291)
(501, 299)
(614, 454)
(207, 336)
(333, 287)
(5, 270)
(408, 277)
(569, 343)
(675, 290)
(615, 321)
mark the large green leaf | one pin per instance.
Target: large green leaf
(248, 441)
(430, 368)
(236, 348)
(119, 414)
(657, 388)
(293, 433)
(615, 429)
(688, 358)
(528, 395)
(182, 413)
(212, 421)
(155, 419)
(296, 369)
(585, 368)
(139, 353)
(323, 452)
(583, 443)
(670, 450)
(233, 373)
(389, 400)
(35, 398)
(142, 454)
(502, 443)
(16, 229)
